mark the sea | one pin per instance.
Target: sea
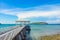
(6, 27)
(36, 29)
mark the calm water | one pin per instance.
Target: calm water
(36, 30)
(42, 30)
(6, 27)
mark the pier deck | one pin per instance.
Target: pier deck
(20, 32)
(15, 34)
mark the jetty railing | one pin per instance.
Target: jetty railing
(16, 34)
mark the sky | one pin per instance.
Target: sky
(33, 10)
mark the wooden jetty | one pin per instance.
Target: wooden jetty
(18, 33)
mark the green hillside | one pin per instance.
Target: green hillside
(39, 23)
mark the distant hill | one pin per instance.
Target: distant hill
(39, 23)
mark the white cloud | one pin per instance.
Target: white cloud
(8, 11)
(48, 11)
(58, 17)
(57, 21)
(38, 14)
(44, 11)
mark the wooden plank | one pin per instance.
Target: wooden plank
(11, 34)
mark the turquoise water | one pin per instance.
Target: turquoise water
(36, 30)
(42, 30)
(6, 27)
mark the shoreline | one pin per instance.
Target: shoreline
(50, 37)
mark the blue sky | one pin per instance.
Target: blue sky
(33, 10)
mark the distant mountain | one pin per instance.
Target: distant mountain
(39, 23)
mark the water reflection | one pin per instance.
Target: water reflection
(29, 37)
(28, 33)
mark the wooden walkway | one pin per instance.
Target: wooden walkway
(18, 33)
